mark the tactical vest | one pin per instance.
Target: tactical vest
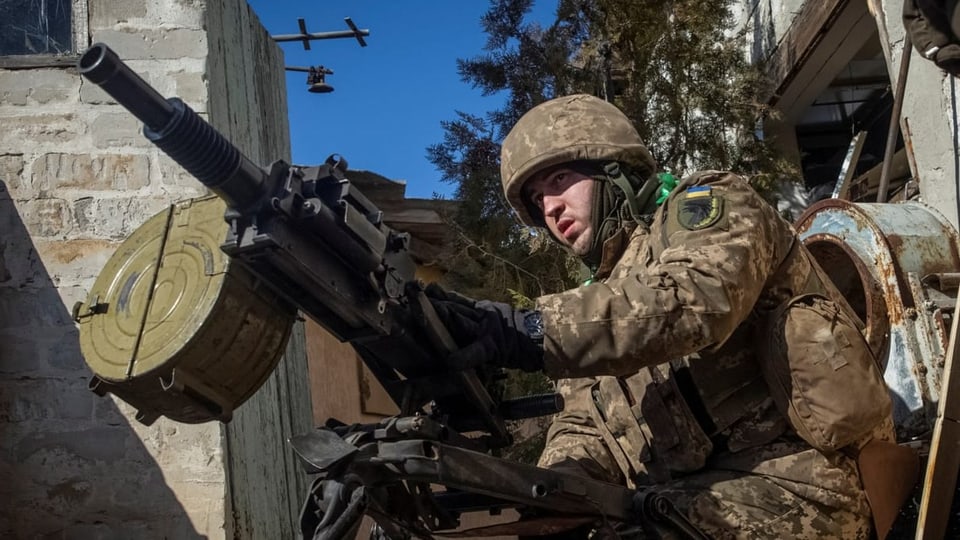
(669, 418)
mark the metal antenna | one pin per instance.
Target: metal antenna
(306, 37)
(316, 74)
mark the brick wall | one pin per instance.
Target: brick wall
(77, 178)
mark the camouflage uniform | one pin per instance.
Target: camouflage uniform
(658, 362)
(932, 27)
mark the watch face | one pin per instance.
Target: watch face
(533, 324)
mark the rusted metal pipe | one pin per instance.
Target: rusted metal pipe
(894, 129)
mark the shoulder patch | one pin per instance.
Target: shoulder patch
(698, 208)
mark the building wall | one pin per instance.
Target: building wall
(929, 118)
(77, 178)
(768, 22)
(780, 32)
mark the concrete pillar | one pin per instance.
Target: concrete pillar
(928, 119)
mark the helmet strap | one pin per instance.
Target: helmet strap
(616, 176)
(639, 204)
(617, 204)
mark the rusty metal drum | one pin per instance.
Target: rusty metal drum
(899, 267)
(173, 328)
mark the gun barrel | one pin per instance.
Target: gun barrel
(177, 130)
(101, 66)
(531, 406)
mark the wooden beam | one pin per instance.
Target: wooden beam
(806, 31)
(825, 59)
(35, 61)
(943, 464)
(842, 189)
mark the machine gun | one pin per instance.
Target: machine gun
(314, 239)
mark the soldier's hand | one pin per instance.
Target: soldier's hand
(489, 332)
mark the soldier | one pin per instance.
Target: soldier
(932, 26)
(708, 356)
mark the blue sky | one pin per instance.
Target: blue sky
(389, 96)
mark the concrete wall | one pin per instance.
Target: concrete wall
(767, 22)
(929, 118)
(77, 178)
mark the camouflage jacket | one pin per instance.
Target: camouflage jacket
(928, 23)
(675, 312)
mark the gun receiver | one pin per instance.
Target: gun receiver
(315, 238)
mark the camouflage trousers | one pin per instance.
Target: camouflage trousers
(784, 489)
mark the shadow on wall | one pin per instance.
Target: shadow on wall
(70, 463)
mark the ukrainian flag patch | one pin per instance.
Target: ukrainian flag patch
(697, 191)
(699, 208)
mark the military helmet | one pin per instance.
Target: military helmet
(578, 127)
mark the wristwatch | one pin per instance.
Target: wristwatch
(533, 325)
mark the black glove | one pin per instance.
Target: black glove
(489, 332)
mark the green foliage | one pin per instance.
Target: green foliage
(531, 63)
(491, 251)
(683, 76)
(520, 300)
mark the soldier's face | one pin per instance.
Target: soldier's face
(566, 199)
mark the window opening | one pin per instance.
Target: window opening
(33, 27)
